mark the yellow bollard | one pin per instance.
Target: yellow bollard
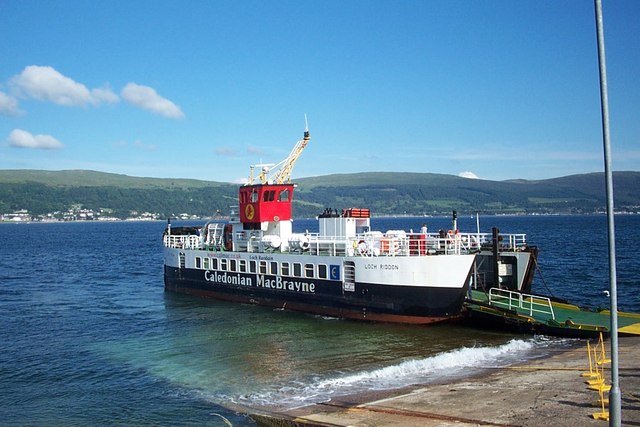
(598, 380)
(600, 387)
(603, 357)
(591, 372)
(598, 384)
(603, 415)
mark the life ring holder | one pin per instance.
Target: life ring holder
(362, 247)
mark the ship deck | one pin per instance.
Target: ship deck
(537, 314)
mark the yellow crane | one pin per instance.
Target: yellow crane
(281, 172)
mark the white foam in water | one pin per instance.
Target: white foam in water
(455, 363)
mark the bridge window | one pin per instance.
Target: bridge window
(283, 196)
(254, 196)
(269, 195)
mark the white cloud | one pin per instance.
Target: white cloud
(44, 83)
(253, 150)
(141, 145)
(9, 105)
(104, 94)
(147, 98)
(467, 174)
(22, 139)
(226, 151)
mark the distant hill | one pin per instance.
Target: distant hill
(88, 178)
(424, 193)
(385, 193)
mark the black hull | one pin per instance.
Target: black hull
(372, 302)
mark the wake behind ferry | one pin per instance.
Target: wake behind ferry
(346, 269)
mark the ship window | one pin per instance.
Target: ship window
(263, 267)
(254, 196)
(243, 265)
(322, 271)
(223, 264)
(308, 270)
(233, 265)
(283, 196)
(297, 269)
(274, 267)
(252, 266)
(206, 263)
(198, 260)
(214, 264)
(285, 268)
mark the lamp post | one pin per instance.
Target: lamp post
(614, 393)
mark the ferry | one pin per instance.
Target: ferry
(346, 269)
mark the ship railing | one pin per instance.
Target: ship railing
(526, 303)
(512, 241)
(400, 243)
(183, 241)
(331, 245)
(395, 243)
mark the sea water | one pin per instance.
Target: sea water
(88, 336)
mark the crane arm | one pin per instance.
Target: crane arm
(283, 169)
(284, 173)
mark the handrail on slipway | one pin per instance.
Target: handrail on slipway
(526, 302)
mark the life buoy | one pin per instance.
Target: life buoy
(453, 235)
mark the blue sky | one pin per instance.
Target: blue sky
(202, 89)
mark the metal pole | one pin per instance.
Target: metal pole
(614, 393)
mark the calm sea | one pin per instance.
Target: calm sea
(88, 336)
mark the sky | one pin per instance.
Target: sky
(489, 89)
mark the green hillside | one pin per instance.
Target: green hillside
(87, 178)
(42, 192)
